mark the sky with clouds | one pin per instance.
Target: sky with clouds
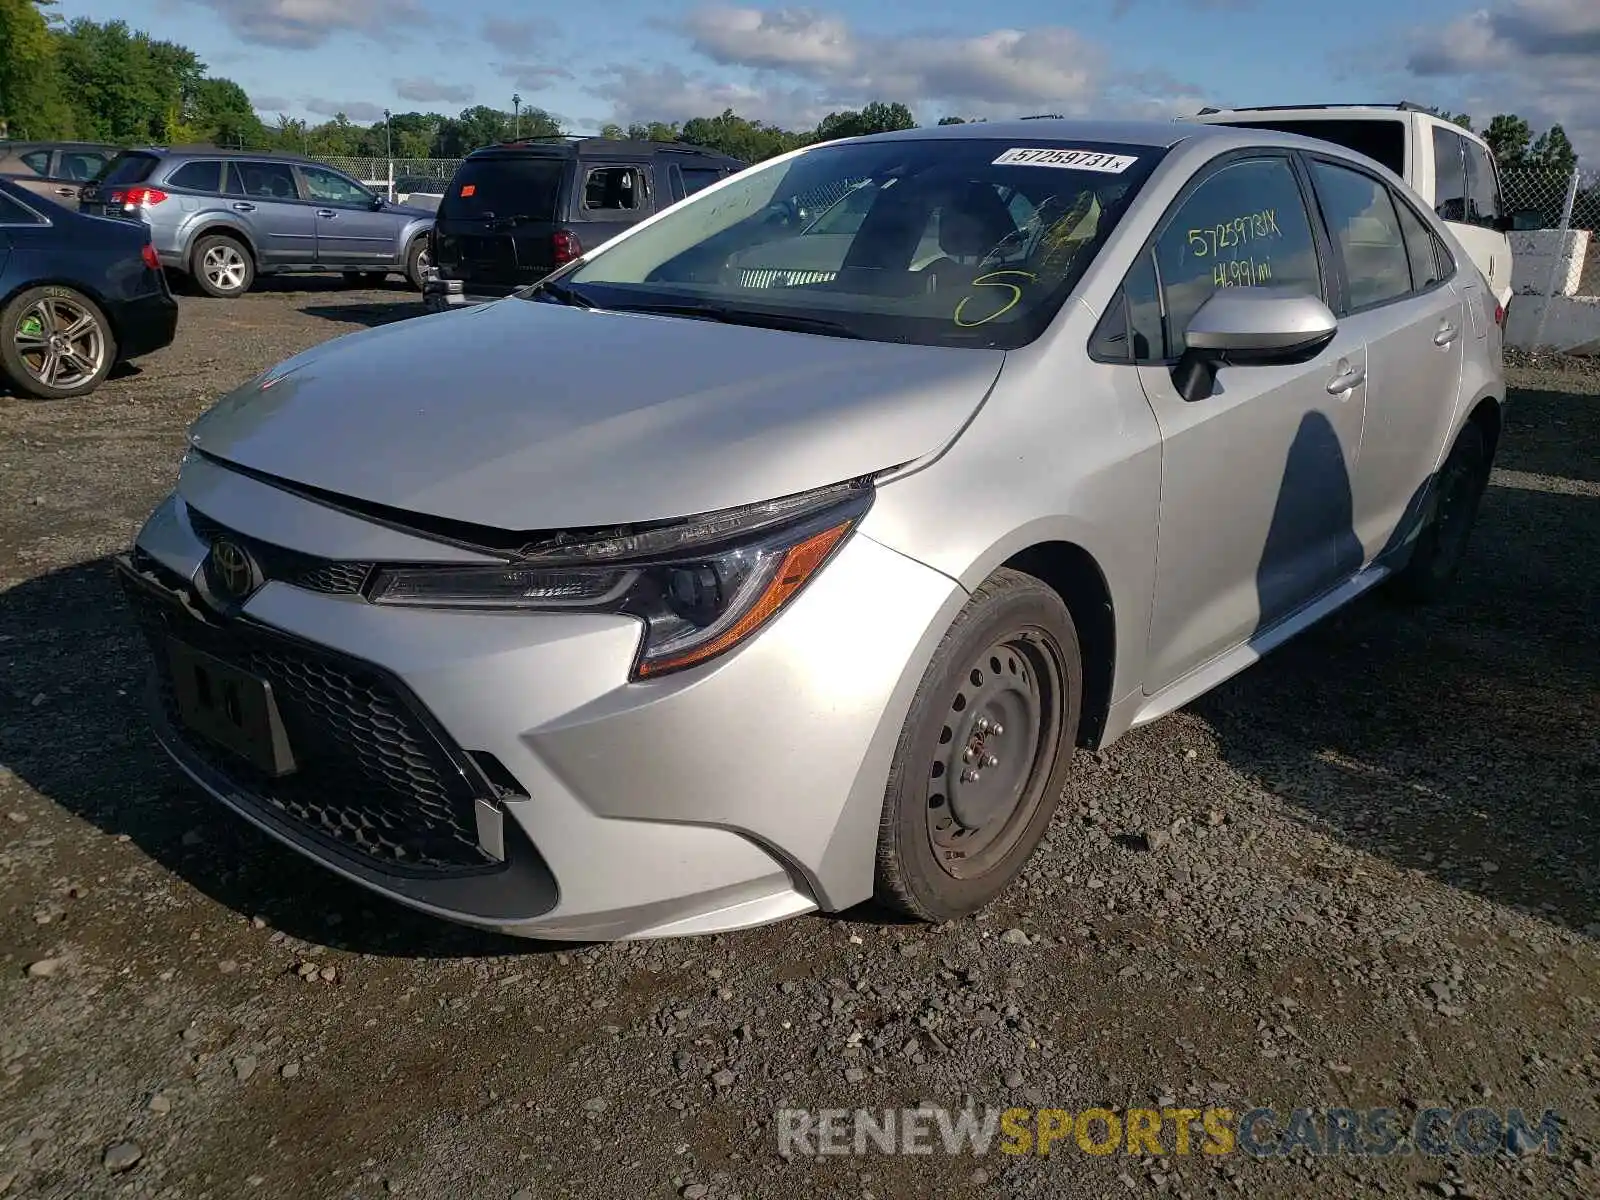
(632, 60)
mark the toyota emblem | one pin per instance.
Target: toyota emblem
(232, 571)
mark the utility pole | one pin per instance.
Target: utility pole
(516, 108)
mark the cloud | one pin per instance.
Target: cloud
(1539, 58)
(273, 104)
(429, 91)
(668, 93)
(302, 24)
(517, 37)
(356, 110)
(1050, 65)
(531, 77)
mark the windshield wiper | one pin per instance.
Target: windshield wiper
(759, 319)
(561, 293)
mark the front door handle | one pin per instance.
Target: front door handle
(64, 191)
(241, 206)
(1346, 379)
(1447, 334)
(326, 212)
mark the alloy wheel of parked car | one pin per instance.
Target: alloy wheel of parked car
(984, 752)
(223, 267)
(418, 261)
(1442, 544)
(55, 343)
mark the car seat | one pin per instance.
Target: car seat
(970, 228)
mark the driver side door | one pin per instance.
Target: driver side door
(1256, 497)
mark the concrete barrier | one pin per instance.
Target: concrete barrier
(1532, 254)
(1571, 326)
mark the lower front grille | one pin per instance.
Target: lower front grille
(375, 777)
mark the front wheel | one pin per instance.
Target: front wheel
(1453, 510)
(984, 753)
(55, 343)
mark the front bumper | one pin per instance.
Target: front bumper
(737, 794)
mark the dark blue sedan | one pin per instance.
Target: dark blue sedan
(78, 295)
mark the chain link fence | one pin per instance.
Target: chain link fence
(1557, 214)
(385, 173)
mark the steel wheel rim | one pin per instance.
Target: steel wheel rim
(990, 763)
(60, 342)
(224, 268)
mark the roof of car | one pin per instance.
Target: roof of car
(571, 145)
(49, 145)
(203, 151)
(1162, 134)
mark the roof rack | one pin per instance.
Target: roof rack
(1044, 117)
(1399, 105)
(544, 137)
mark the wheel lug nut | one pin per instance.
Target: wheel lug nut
(969, 755)
(981, 724)
(969, 777)
(997, 730)
(991, 761)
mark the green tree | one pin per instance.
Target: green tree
(220, 112)
(613, 131)
(952, 120)
(655, 131)
(876, 117)
(1508, 136)
(1554, 150)
(32, 95)
(739, 137)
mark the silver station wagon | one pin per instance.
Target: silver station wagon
(743, 568)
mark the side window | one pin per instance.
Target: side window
(1449, 175)
(1483, 186)
(613, 189)
(80, 166)
(38, 161)
(695, 178)
(1244, 226)
(1427, 265)
(12, 213)
(197, 176)
(675, 182)
(329, 187)
(262, 181)
(1364, 227)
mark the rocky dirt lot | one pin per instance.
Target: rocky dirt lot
(1365, 873)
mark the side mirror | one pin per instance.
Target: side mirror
(1251, 326)
(378, 202)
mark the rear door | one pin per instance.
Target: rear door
(496, 223)
(265, 198)
(1398, 296)
(351, 232)
(72, 169)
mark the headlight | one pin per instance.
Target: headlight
(701, 587)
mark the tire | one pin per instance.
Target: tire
(55, 343)
(221, 266)
(418, 261)
(366, 279)
(1441, 546)
(948, 843)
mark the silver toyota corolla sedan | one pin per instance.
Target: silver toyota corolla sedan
(742, 568)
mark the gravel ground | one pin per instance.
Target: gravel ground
(1364, 873)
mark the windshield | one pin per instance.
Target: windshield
(505, 186)
(959, 241)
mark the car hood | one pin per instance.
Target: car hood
(521, 415)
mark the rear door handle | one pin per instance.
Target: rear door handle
(326, 212)
(241, 206)
(63, 191)
(1346, 379)
(1447, 334)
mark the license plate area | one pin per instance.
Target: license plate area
(230, 707)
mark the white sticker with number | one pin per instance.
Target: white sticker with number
(1071, 160)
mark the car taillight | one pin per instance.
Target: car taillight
(1500, 315)
(138, 197)
(564, 246)
(151, 258)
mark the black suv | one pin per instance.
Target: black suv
(516, 211)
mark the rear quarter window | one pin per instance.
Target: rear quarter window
(197, 177)
(128, 167)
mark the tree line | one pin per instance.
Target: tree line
(105, 81)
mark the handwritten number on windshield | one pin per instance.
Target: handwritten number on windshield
(994, 281)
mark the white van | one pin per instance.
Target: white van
(1449, 167)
